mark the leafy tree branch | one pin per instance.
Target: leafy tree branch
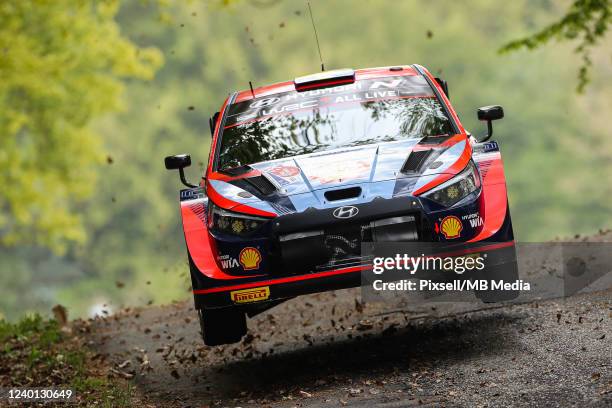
(586, 21)
(62, 63)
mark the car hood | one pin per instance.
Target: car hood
(378, 170)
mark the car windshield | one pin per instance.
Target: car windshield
(365, 112)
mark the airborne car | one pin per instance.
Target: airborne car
(302, 172)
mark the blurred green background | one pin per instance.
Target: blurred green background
(124, 245)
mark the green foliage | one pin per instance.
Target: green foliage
(31, 325)
(29, 340)
(37, 352)
(60, 64)
(586, 20)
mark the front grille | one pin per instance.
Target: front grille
(340, 245)
(343, 244)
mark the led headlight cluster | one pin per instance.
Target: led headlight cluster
(457, 188)
(233, 223)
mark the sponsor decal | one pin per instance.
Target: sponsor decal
(486, 147)
(249, 258)
(227, 262)
(451, 227)
(285, 171)
(284, 174)
(244, 194)
(348, 211)
(191, 194)
(250, 295)
(327, 172)
(474, 219)
(246, 117)
(358, 92)
(264, 102)
(490, 146)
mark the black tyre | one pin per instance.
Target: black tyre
(506, 272)
(222, 326)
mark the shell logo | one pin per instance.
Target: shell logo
(451, 227)
(249, 258)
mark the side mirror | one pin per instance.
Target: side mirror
(212, 122)
(179, 162)
(490, 113)
(444, 85)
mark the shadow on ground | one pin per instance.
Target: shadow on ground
(413, 348)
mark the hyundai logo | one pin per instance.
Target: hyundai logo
(346, 212)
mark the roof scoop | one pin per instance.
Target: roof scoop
(324, 79)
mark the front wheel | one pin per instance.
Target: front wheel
(222, 326)
(507, 273)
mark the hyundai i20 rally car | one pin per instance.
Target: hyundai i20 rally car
(302, 172)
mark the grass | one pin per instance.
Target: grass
(38, 353)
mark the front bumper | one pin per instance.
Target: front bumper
(297, 260)
(259, 292)
(315, 240)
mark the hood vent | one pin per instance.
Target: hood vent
(343, 194)
(415, 161)
(262, 184)
(237, 171)
(434, 140)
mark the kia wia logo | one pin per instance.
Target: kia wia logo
(346, 212)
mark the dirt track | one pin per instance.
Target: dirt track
(330, 350)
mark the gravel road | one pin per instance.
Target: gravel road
(329, 349)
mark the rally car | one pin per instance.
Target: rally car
(302, 172)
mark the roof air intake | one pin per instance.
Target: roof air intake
(262, 184)
(415, 161)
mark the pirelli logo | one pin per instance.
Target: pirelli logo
(250, 295)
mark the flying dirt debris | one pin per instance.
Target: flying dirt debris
(340, 351)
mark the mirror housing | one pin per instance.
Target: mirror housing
(179, 162)
(490, 113)
(212, 122)
(444, 85)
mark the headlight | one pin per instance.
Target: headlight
(232, 223)
(457, 188)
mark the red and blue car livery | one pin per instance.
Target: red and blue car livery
(302, 172)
